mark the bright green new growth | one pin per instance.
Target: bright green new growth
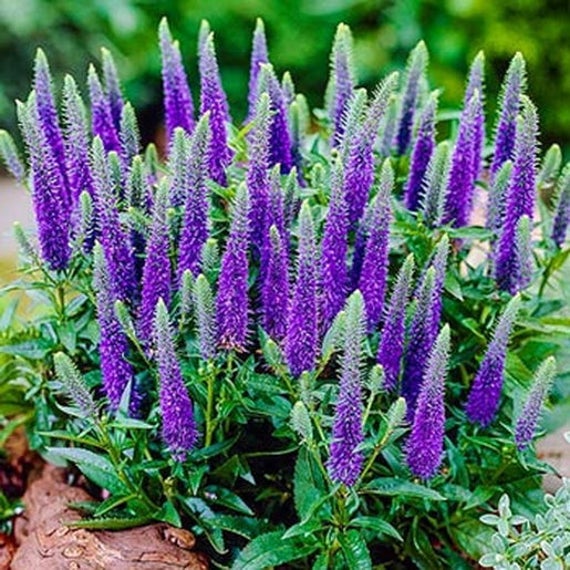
(74, 384)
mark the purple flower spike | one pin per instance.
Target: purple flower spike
(417, 63)
(179, 431)
(421, 155)
(213, 100)
(372, 281)
(345, 462)
(359, 168)
(112, 87)
(485, 394)
(461, 174)
(280, 143)
(424, 449)
(342, 80)
(113, 345)
(302, 325)
(193, 179)
(275, 288)
(476, 83)
(157, 278)
(562, 217)
(529, 416)
(178, 106)
(101, 117)
(257, 172)
(520, 199)
(114, 238)
(334, 272)
(48, 120)
(259, 56)
(514, 85)
(391, 347)
(47, 186)
(232, 305)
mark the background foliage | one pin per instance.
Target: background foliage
(300, 34)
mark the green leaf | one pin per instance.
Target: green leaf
(112, 503)
(376, 524)
(226, 498)
(272, 549)
(110, 523)
(37, 349)
(308, 483)
(394, 487)
(169, 514)
(247, 527)
(95, 467)
(355, 551)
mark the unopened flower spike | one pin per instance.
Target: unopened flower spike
(497, 201)
(157, 273)
(485, 393)
(205, 317)
(179, 108)
(101, 118)
(422, 152)
(280, 143)
(346, 459)
(179, 432)
(195, 226)
(288, 88)
(388, 128)
(213, 100)
(178, 167)
(424, 448)
(562, 217)
(391, 347)
(232, 303)
(529, 416)
(74, 384)
(334, 271)
(112, 86)
(550, 167)
(374, 270)
(129, 134)
(47, 187)
(275, 287)
(434, 186)
(11, 157)
(520, 199)
(514, 85)
(352, 121)
(113, 345)
(259, 56)
(461, 185)
(301, 343)
(416, 67)
(342, 80)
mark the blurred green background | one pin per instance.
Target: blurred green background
(299, 34)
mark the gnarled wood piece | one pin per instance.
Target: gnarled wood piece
(44, 543)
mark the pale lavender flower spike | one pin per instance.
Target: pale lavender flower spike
(476, 83)
(259, 56)
(112, 87)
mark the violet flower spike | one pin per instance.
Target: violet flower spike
(178, 105)
(195, 226)
(116, 371)
(529, 416)
(342, 80)
(232, 304)
(562, 216)
(391, 347)
(415, 71)
(514, 85)
(424, 448)
(257, 172)
(213, 100)
(179, 430)
(485, 393)
(461, 185)
(372, 282)
(112, 87)
(157, 273)
(334, 271)
(520, 199)
(275, 287)
(302, 325)
(101, 118)
(423, 149)
(47, 188)
(205, 317)
(259, 56)
(346, 459)
(114, 239)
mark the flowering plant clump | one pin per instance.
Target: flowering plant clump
(298, 338)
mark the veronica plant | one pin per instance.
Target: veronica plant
(287, 336)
